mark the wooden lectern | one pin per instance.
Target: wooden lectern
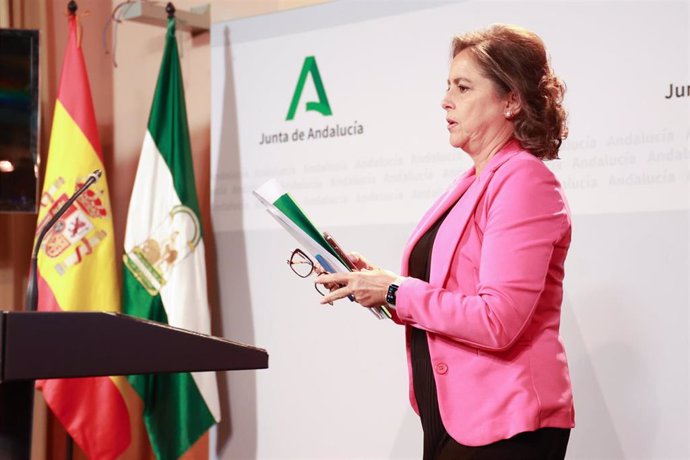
(47, 345)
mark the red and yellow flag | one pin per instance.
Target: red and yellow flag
(76, 265)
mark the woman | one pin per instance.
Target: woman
(481, 286)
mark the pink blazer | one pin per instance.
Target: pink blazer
(493, 302)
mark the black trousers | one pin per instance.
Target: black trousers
(542, 444)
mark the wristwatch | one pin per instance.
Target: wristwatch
(391, 296)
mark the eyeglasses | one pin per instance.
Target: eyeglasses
(303, 266)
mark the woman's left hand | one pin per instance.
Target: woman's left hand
(368, 287)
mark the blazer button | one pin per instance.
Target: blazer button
(441, 368)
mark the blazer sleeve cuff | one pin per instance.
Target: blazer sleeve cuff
(404, 299)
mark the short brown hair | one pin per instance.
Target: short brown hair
(515, 60)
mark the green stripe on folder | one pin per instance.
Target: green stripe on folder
(292, 210)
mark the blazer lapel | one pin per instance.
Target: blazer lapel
(453, 227)
(437, 209)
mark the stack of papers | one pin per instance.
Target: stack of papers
(285, 210)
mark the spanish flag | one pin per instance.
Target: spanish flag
(76, 264)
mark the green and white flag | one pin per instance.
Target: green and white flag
(164, 275)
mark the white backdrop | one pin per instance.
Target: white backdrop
(337, 382)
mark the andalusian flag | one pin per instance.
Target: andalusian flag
(76, 265)
(164, 275)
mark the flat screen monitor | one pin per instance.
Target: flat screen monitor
(19, 117)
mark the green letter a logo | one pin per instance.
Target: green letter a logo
(323, 107)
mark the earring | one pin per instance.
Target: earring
(509, 114)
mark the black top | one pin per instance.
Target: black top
(422, 372)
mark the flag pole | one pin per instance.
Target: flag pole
(72, 8)
(69, 442)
